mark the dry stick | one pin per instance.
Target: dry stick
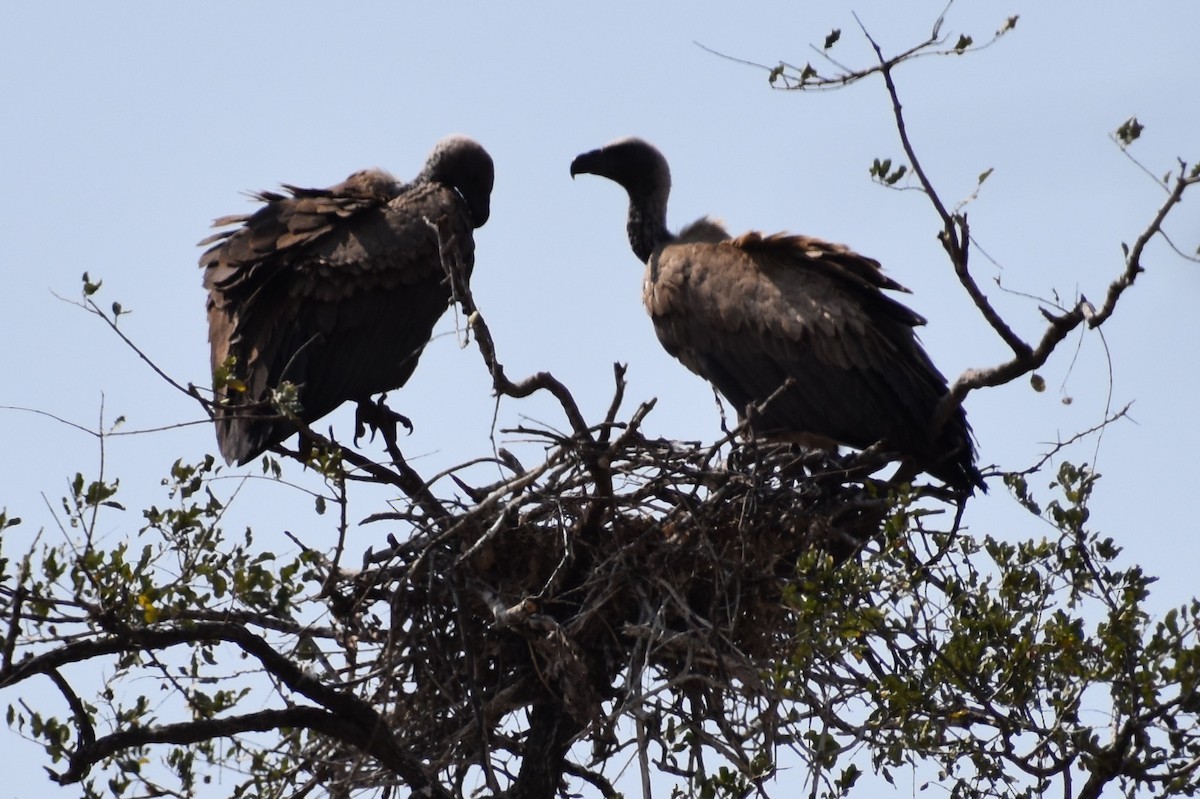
(1062, 324)
(597, 780)
(417, 487)
(601, 475)
(808, 79)
(403, 477)
(335, 726)
(511, 463)
(956, 246)
(818, 82)
(643, 751)
(757, 408)
(89, 305)
(342, 497)
(1060, 445)
(141, 431)
(610, 418)
(1133, 259)
(461, 293)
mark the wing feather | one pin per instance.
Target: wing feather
(336, 290)
(748, 313)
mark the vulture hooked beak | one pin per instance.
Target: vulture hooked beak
(631, 163)
(588, 163)
(480, 209)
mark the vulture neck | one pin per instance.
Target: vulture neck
(647, 226)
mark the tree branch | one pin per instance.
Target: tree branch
(333, 725)
(1062, 324)
(955, 235)
(350, 718)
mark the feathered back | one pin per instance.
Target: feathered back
(749, 313)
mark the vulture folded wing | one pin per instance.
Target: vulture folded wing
(749, 313)
(334, 290)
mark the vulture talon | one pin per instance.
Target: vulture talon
(749, 314)
(335, 291)
(376, 415)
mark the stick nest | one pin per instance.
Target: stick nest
(623, 574)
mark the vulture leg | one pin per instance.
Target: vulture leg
(380, 418)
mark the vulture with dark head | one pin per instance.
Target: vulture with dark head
(748, 313)
(335, 290)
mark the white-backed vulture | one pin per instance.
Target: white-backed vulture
(335, 290)
(748, 313)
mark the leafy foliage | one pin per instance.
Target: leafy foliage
(989, 659)
(992, 659)
(1129, 131)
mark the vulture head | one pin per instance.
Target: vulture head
(461, 163)
(635, 164)
(642, 171)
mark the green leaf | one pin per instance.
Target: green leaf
(832, 38)
(1129, 131)
(90, 288)
(963, 43)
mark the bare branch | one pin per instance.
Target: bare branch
(1062, 324)
(955, 235)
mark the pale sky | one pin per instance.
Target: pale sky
(130, 126)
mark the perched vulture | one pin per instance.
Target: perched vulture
(748, 313)
(335, 290)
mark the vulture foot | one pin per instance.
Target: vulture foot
(380, 418)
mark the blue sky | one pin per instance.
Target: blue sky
(130, 126)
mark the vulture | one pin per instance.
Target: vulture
(749, 313)
(335, 290)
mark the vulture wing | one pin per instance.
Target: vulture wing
(335, 290)
(748, 313)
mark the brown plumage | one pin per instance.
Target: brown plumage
(747, 313)
(335, 290)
